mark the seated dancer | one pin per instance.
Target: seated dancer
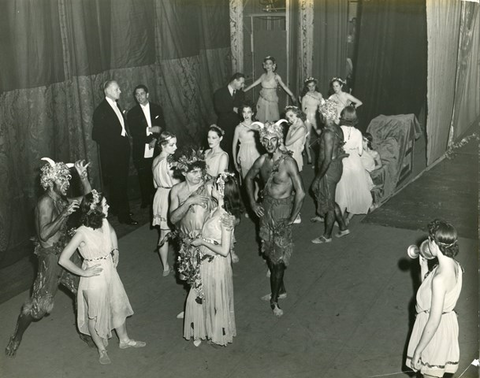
(330, 170)
(283, 196)
(189, 207)
(214, 317)
(51, 215)
(103, 304)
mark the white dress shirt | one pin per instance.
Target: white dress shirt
(117, 111)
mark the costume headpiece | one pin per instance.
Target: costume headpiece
(339, 79)
(309, 79)
(185, 162)
(221, 181)
(95, 201)
(52, 172)
(270, 128)
(328, 110)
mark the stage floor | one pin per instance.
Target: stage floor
(348, 313)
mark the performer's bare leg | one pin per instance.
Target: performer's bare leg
(277, 285)
(330, 218)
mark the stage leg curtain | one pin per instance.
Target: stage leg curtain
(443, 23)
(330, 31)
(55, 56)
(467, 90)
(390, 69)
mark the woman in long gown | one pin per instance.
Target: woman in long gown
(215, 158)
(163, 181)
(245, 135)
(297, 133)
(103, 304)
(267, 104)
(433, 347)
(311, 101)
(340, 98)
(214, 317)
(353, 190)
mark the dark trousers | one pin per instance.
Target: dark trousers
(115, 166)
(145, 179)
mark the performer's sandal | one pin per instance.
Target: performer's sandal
(104, 359)
(277, 311)
(343, 233)
(321, 240)
(132, 344)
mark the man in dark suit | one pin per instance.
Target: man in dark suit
(226, 102)
(111, 135)
(145, 122)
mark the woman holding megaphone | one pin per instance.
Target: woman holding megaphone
(433, 348)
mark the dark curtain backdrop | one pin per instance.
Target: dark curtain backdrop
(54, 56)
(390, 74)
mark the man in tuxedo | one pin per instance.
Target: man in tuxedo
(226, 102)
(111, 135)
(145, 122)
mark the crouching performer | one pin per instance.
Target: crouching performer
(51, 215)
(283, 196)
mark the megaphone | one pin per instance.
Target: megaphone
(413, 251)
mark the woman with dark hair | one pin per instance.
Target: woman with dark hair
(433, 348)
(163, 181)
(353, 190)
(267, 104)
(311, 101)
(340, 98)
(245, 135)
(103, 304)
(370, 158)
(297, 133)
(214, 317)
(215, 157)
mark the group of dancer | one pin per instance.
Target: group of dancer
(198, 202)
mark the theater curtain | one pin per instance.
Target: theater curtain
(467, 89)
(330, 20)
(55, 56)
(390, 69)
(443, 23)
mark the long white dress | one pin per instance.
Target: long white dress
(247, 153)
(353, 189)
(214, 318)
(162, 180)
(101, 297)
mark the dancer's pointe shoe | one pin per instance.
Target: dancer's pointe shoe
(132, 344)
(267, 297)
(181, 315)
(197, 342)
(277, 311)
(166, 272)
(12, 346)
(104, 359)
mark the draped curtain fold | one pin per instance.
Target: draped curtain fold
(390, 65)
(55, 56)
(330, 32)
(443, 24)
(467, 89)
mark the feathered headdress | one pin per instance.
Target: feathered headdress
(270, 128)
(328, 110)
(52, 172)
(187, 161)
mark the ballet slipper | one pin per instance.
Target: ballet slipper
(277, 311)
(343, 233)
(132, 344)
(197, 342)
(104, 359)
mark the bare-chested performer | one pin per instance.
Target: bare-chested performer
(189, 207)
(330, 169)
(51, 214)
(282, 200)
